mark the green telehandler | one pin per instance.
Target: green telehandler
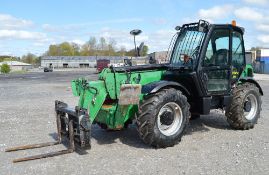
(207, 70)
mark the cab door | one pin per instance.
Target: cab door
(216, 69)
(238, 55)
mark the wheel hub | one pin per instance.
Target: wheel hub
(247, 106)
(167, 117)
(250, 106)
(170, 118)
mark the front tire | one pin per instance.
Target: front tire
(244, 111)
(163, 117)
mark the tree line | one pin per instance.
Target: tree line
(28, 58)
(93, 47)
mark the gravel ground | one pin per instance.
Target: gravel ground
(210, 146)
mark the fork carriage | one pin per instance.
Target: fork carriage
(72, 124)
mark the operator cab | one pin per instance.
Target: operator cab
(223, 59)
(211, 56)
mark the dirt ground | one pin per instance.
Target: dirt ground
(210, 146)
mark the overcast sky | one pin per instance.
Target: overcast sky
(32, 25)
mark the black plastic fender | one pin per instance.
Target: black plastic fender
(251, 80)
(156, 86)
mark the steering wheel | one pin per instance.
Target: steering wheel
(195, 51)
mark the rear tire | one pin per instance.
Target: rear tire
(163, 117)
(244, 111)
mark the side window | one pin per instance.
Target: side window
(223, 42)
(237, 51)
(209, 54)
(218, 49)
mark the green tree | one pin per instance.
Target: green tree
(85, 50)
(89, 48)
(63, 49)
(5, 68)
(66, 49)
(53, 50)
(122, 51)
(92, 43)
(76, 49)
(102, 44)
(38, 61)
(131, 53)
(8, 58)
(111, 47)
(29, 58)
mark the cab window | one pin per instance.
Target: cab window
(237, 52)
(217, 52)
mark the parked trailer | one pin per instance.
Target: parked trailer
(101, 64)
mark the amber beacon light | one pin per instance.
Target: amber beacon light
(233, 23)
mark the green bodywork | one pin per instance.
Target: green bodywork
(100, 97)
(248, 71)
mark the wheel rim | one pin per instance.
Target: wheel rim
(252, 103)
(169, 118)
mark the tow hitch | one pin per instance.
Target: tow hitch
(73, 124)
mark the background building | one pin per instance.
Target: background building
(160, 57)
(86, 61)
(261, 63)
(17, 66)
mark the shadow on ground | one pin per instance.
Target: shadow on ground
(207, 122)
(130, 136)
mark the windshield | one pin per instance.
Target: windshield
(187, 47)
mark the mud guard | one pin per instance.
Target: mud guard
(251, 80)
(156, 86)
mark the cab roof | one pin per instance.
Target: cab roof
(206, 24)
(237, 28)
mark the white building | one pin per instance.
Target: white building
(262, 60)
(17, 66)
(262, 54)
(160, 57)
(84, 61)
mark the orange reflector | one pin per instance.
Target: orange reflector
(233, 23)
